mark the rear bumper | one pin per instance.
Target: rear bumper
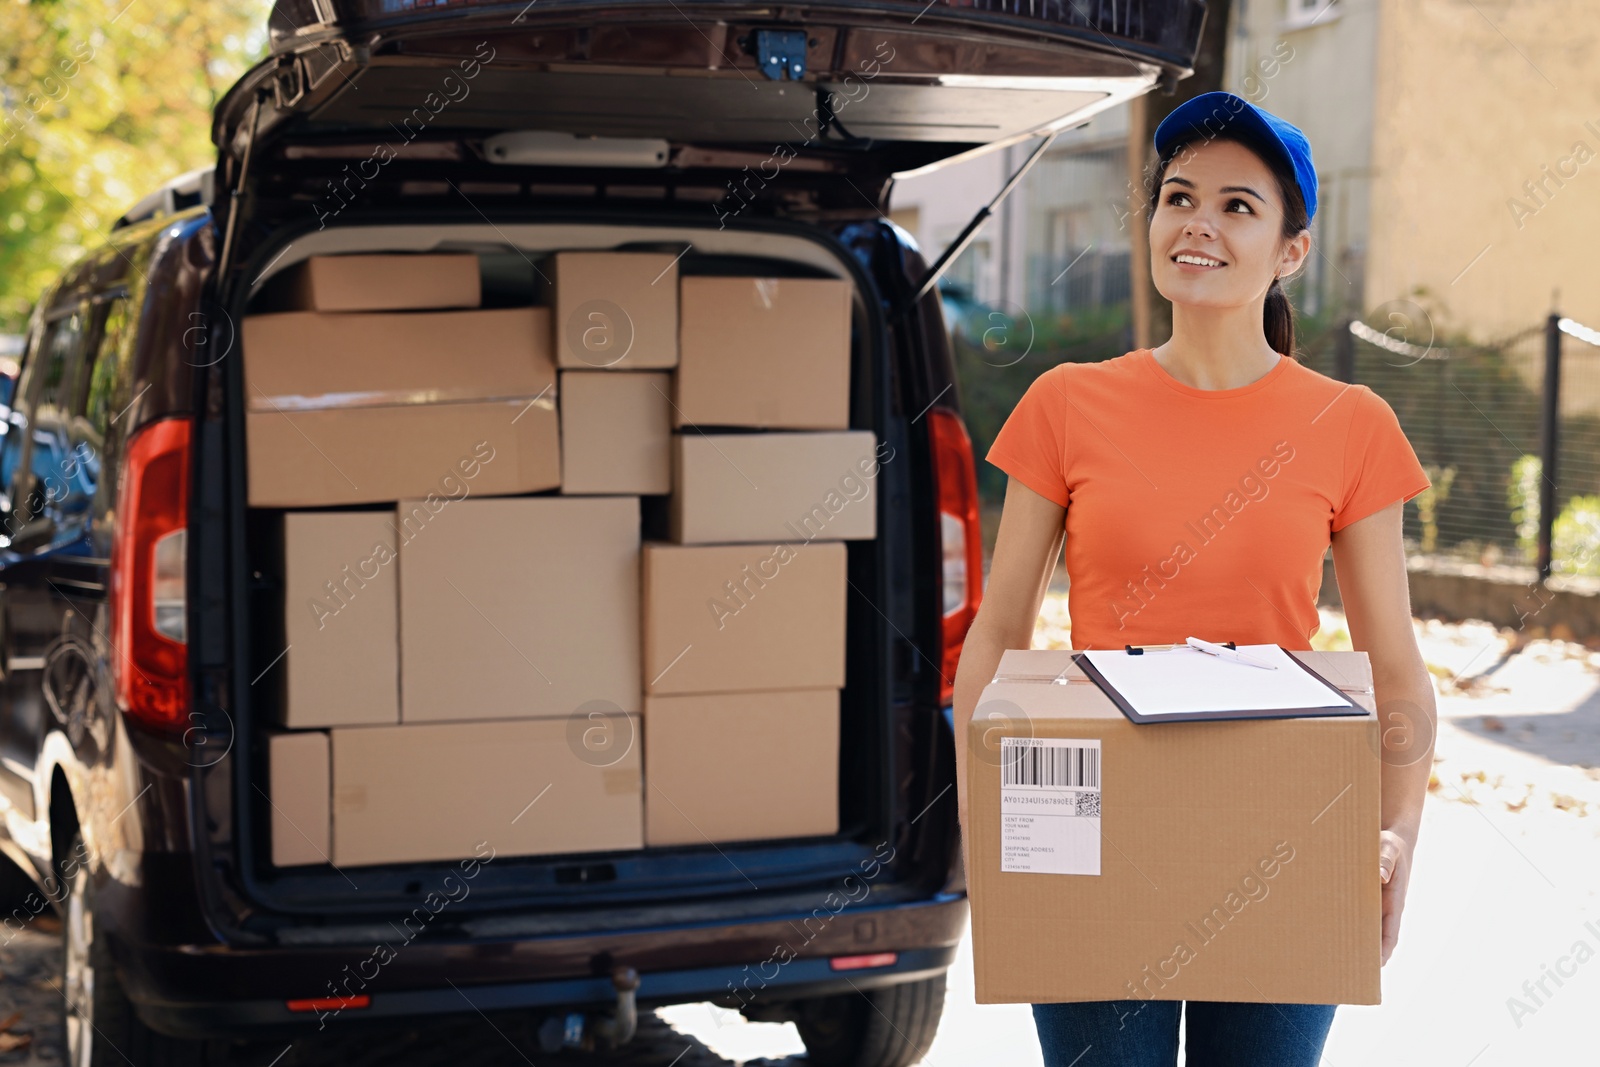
(175, 988)
(798, 978)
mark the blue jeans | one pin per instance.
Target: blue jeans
(1144, 1033)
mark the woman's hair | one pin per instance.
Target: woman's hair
(1277, 315)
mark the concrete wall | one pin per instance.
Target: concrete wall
(1479, 103)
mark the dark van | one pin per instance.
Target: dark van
(137, 602)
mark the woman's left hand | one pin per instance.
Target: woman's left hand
(1394, 870)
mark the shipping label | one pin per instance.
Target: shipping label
(1050, 805)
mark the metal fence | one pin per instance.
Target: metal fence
(1509, 433)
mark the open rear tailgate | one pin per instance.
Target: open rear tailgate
(902, 83)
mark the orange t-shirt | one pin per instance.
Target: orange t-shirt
(1202, 511)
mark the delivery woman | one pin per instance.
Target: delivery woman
(1152, 468)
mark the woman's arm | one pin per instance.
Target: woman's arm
(1027, 545)
(1369, 559)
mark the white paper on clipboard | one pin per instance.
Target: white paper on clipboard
(1184, 680)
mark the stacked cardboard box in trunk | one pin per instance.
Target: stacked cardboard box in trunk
(367, 407)
(527, 670)
(744, 603)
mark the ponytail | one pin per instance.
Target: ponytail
(1277, 319)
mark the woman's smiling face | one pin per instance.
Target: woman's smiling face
(1216, 233)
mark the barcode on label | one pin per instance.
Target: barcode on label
(1050, 792)
(1055, 766)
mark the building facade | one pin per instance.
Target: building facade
(1454, 142)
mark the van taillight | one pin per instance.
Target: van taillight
(149, 601)
(960, 540)
(169, 597)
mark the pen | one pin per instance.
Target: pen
(1224, 652)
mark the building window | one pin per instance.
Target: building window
(1077, 227)
(1303, 13)
(1085, 271)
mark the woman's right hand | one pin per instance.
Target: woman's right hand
(1027, 546)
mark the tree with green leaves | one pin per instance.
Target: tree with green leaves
(101, 102)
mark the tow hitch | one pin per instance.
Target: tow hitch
(593, 1031)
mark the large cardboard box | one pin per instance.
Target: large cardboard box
(362, 408)
(768, 353)
(741, 766)
(414, 793)
(616, 310)
(519, 607)
(341, 665)
(773, 487)
(298, 790)
(381, 282)
(616, 431)
(734, 618)
(1231, 860)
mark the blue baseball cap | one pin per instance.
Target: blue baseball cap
(1212, 113)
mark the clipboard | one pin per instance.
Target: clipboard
(1347, 707)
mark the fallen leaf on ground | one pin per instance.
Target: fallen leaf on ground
(9, 1021)
(11, 1042)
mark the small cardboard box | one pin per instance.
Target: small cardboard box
(1232, 860)
(360, 408)
(767, 353)
(297, 785)
(382, 282)
(615, 310)
(773, 487)
(736, 618)
(341, 664)
(616, 429)
(415, 793)
(741, 766)
(519, 607)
